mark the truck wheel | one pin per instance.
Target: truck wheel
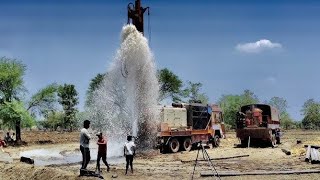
(187, 144)
(174, 145)
(216, 141)
(164, 149)
(244, 142)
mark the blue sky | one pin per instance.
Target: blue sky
(216, 43)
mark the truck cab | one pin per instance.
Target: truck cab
(217, 122)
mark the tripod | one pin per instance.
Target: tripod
(206, 157)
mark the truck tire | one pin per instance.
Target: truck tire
(164, 149)
(187, 145)
(244, 142)
(216, 141)
(174, 145)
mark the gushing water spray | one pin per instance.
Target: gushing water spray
(126, 101)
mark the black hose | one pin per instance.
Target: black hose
(124, 70)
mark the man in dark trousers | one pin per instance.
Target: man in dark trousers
(129, 151)
(102, 152)
(84, 144)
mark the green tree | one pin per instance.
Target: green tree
(44, 100)
(81, 117)
(54, 120)
(282, 105)
(192, 93)
(298, 124)
(248, 97)
(279, 103)
(11, 87)
(68, 98)
(11, 79)
(15, 114)
(286, 121)
(95, 83)
(230, 105)
(307, 105)
(170, 84)
(311, 112)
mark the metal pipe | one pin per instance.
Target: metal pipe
(308, 154)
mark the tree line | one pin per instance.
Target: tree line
(171, 86)
(55, 105)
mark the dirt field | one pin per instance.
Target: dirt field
(46, 137)
(153, 165)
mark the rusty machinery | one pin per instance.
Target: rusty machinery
(135, 13)
(258, 122)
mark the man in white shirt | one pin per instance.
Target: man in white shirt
(129, 151)
(84, 144)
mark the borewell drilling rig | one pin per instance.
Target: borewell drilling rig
(135, 13)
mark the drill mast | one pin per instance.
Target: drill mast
(135, 13)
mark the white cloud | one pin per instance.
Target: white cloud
(259, 46)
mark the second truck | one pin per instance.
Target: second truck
(259, 123)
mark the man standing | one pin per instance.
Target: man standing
(129, 151)
(13, 137)
(102, 151)
(7, 138)
(84, 144)
(2, 144)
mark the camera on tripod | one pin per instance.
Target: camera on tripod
(197, 145)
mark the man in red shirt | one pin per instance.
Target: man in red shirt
(2, 144)
(102, 151)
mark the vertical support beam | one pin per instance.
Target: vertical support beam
(308, 154)
(314, 158)
(317, 155)
(135, 13)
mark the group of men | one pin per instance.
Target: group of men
(128, 150)
(7, 140)
(10, 138)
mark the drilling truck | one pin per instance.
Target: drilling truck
(259, 123)
(184, 125)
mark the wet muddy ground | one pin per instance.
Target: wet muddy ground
(153, 165)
